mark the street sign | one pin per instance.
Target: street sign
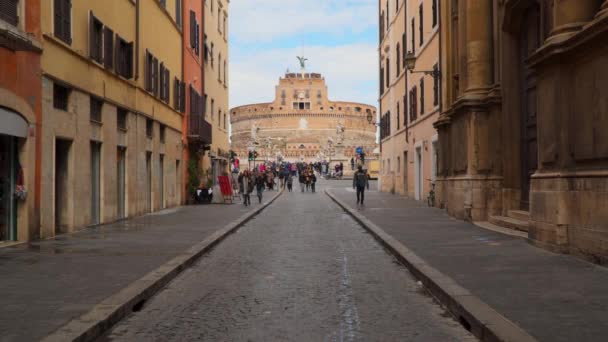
(359, 150)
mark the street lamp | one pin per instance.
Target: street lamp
(410, 64)
(370, 119)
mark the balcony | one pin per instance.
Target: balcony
(199, 130)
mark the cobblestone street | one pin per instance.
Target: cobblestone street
(300, 271)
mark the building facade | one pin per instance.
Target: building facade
(111, 111)
(20, 119)
(522, 136)
(409, 99)
(216, 76)
(302, 124)
(196, 130)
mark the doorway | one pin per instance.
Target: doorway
(95, 182)
(121, 182)
(62, 176)
(8, 174)
(405, 174)
(530, 40)
(148, 182)
(161, 181)
(418, 173)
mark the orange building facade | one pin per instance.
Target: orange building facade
(196, 130)
(20, 117)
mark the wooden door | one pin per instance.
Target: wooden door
(529, 42)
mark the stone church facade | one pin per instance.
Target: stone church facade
(523, 133)
(302, 124)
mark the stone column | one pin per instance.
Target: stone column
(570, 15)
(478, 45)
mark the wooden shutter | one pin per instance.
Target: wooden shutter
(192, 29)
(155, 75)
(147, 75)
(58, 18)
(128, 60)
(421, 96)
(108, 48)
(182, 100)
(9, 11)
(168, 85)
(162, 81)
(197, 38)
(67, 20)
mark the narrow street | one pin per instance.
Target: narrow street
(302, 270)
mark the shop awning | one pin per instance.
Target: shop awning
(12, 123)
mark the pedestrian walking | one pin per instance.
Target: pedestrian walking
(360, 183)
(308, 180)
(289, 183)
(259, 186)
(313, 181)
(246, 184)
(282, 178)
(302, 180)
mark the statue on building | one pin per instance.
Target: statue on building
(302, 60)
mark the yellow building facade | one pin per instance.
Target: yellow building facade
(112, 120)
(409, 99)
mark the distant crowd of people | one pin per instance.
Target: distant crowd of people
(262, 177)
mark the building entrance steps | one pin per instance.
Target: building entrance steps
(510, 222)
(49, 283)
(552, 297)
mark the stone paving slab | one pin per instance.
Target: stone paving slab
(46, 284)
(551, 296)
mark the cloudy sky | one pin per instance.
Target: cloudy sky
(339, 37)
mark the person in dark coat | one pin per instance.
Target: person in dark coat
(360, 183)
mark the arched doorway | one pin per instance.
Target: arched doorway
(530, 39)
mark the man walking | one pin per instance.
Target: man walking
(360, 182)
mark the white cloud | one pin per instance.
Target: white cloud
(351, 72)
(266, 20)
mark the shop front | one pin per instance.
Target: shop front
(12, 128)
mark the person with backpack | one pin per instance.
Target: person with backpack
(313, 181)
(289, 182)
(360, 183)
(259, 186)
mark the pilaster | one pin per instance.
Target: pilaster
(479, 45)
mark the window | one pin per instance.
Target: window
(219, 67)
(62, 17)
(151, 74)
(398, 58)
(121, 118)
(413, 36)
(405, 113)
(225, 72)
(421, 24)
(436, 86)
(205, 49)
(124, 58)
(435, 21)
(165, 76)
(396, 6)
(179, 101)
(211, 54)
(224, 120)
(421, 96)
(404, 44)
(398, 116)
(219, 20)
(61, 96)
(381, 81)
(211, 7)
(96, 107)
(413, 104)
(219, 117)
(388, 72)
(108, 48)
(162, 132)
(194, 33)
(149, 128)
(9, 11)
(224, 25)
(178, 12)
(212, 109)
(95, 39)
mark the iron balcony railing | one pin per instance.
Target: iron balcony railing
(199, 129)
